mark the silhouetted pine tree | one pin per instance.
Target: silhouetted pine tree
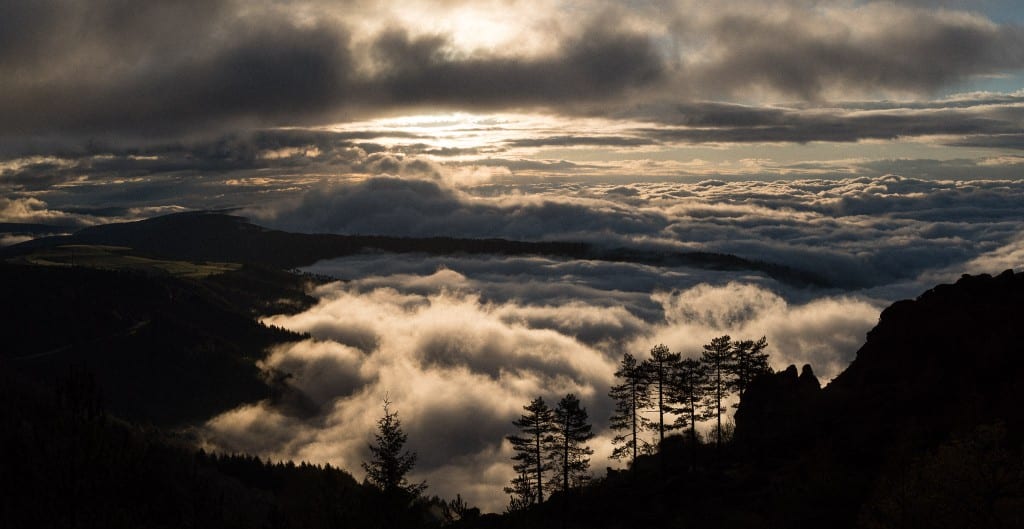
(689, 387)
(748, 362)
(659, 368)
(531, 449)
(390, 464)
(631, 398)
(717, 357)
(570, 454)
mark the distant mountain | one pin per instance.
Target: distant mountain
(212, 236)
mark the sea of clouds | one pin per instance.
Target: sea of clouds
(460, 343)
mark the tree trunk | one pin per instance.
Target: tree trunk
(540, 469)
(633, 405)
(565, 458)
(718, 404)
(661, 408)
(693, 435)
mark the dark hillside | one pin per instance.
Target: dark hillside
(162, 350)
(65, 462)
(947, 361)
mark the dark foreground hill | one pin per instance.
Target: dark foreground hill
(210, 236)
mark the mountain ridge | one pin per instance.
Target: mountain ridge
(217, 236)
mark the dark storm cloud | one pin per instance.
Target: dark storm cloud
(109, 67)
(34, 33)
(601, 62)
(874, 47)
(164, 66)
(133, 71)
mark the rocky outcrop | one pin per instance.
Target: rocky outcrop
(944, 363)
(777, 412)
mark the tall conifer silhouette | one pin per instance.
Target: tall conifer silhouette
(659, 368)
(531, 448)
(689, 387)
(390, 464)
(570, 454)
(631, 399)
(748, 362)
(717, 359)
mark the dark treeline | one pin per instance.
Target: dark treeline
(666, 392)
(551, 452)
(662, 393)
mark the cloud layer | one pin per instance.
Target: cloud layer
(860, 232)
(483, 335)
(460, 354)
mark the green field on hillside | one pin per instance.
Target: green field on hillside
(119, 258)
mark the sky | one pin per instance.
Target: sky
(878, 145)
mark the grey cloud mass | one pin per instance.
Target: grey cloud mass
(170, 68)
(868, 47)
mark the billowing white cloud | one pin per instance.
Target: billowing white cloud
(824, 332)
(34, 211)
(459, 350)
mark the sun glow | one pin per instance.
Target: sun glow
(507, 133)
(482, 27)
